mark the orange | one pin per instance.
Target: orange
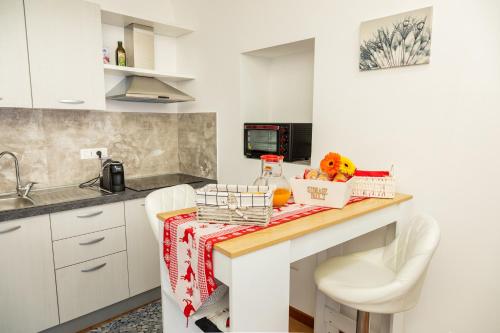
(281, 196)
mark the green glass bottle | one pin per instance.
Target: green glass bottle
(120, 55)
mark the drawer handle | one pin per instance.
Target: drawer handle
(71, 101)
(93, 269)
(97, 240)
(10, 230)
(90, 215)
(143, 204)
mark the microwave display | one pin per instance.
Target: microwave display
(291, 140)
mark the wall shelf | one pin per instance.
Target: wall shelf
(161, 28)
(169, 77)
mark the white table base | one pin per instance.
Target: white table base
(259, 282)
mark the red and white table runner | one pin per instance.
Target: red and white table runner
(188, 247)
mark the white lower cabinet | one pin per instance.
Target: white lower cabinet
(142, 248)
(97, 256)
(92, 285)
(28, 301)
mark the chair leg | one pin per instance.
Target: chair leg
(363, 322)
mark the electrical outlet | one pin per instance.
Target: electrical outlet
(91, 153)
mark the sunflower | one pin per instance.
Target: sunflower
(346, 166)
(330, 164)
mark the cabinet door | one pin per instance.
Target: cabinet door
(65, 42)
(15, 88)
(28, 301)
(142, 248)
(92, 285)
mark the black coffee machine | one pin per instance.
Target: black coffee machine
(113, 176)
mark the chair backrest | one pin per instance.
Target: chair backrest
(419, 241)
(409, 256)
(167, 199)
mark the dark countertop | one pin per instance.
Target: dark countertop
(72, 197)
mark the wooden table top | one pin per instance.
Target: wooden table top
(263, 238)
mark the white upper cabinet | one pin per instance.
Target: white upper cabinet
(14, 69)
(28, 301)
(65, 42)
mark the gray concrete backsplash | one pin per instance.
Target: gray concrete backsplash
(48, 143)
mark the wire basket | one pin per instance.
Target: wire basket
(370, 186)
(235, 204)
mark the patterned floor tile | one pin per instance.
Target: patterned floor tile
(146, 319)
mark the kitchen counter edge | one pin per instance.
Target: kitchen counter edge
(126, 195)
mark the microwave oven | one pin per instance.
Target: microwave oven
(290, 140)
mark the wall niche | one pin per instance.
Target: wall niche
(277, 83)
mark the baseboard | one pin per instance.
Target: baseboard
(302, 317)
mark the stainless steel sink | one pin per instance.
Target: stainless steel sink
(50, 196)
(15, 203)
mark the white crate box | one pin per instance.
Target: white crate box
(321, 192)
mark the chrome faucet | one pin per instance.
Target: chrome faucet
(22, 191)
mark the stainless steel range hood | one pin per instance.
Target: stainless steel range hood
(146, 90)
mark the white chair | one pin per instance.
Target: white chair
(164, 200)
(167, 199)
(385, 280)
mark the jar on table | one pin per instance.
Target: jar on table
(272, 174)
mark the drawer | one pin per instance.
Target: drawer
(91, 285)
(331, 329)
(85, 220)
(336, 321)
(77, 249)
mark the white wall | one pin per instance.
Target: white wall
(438, 123)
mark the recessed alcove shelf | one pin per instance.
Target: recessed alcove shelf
(273, 52)
(277, 83)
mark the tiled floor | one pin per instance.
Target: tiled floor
(147, 319)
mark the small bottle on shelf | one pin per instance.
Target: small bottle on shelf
(120, 55)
